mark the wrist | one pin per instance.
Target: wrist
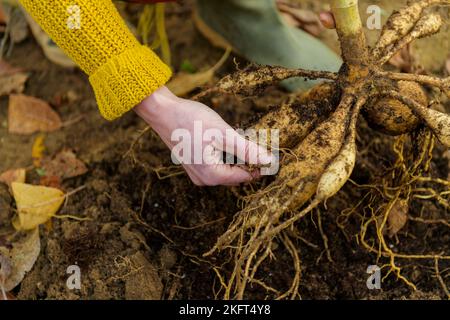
(153, 108)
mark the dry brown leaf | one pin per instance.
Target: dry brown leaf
(21, 258)
(2, 16)
(12, 83)
(7, 69)
(51, 181)
(64, 165)
(27, 115)
(12, 79)
(13, 175)
(398, 216)
(35, 205)
(301, 18)
(184, 83)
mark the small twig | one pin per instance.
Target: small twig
(72, 121)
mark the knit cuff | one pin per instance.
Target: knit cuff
(127, 79)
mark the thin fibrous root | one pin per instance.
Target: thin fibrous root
(253, 79)
(427, 26)
(441, 83)
(400, 23)
(437, 121)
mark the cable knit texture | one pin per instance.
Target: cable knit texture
(121, 70)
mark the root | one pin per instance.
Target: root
(130, 151)
(443, 84)
(441, 281)
(399, 182)
(400, 23)
(254, 79)
(324, 237)
(427, 26)
(293, 290)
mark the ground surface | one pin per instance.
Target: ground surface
(148, 232)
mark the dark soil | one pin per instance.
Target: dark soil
(148, 231)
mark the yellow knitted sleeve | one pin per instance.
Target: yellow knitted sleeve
(121, 71)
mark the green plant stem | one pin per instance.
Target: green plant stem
(351, 34)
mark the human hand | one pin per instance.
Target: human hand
(327, 20)
(173, 117)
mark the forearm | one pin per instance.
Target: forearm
(121, 71)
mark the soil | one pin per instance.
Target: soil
(150, 225)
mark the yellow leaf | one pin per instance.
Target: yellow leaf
(35, 204)
(37, 152)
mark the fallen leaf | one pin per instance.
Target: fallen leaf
(12, 79)
(50, 181)
(35, 205)
(13, 175)
(183, 83)
(2, 16)
(38, 149)
(301, 18)
(28, 115)
(9, 296)
(64, 165)
(12, 83)
(21, 258)
(7, 69)
(398, 216)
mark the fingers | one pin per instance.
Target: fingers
(327, 20)
(247, 150)
(215, 175)
(231, 175)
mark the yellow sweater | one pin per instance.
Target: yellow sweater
(121, 71)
